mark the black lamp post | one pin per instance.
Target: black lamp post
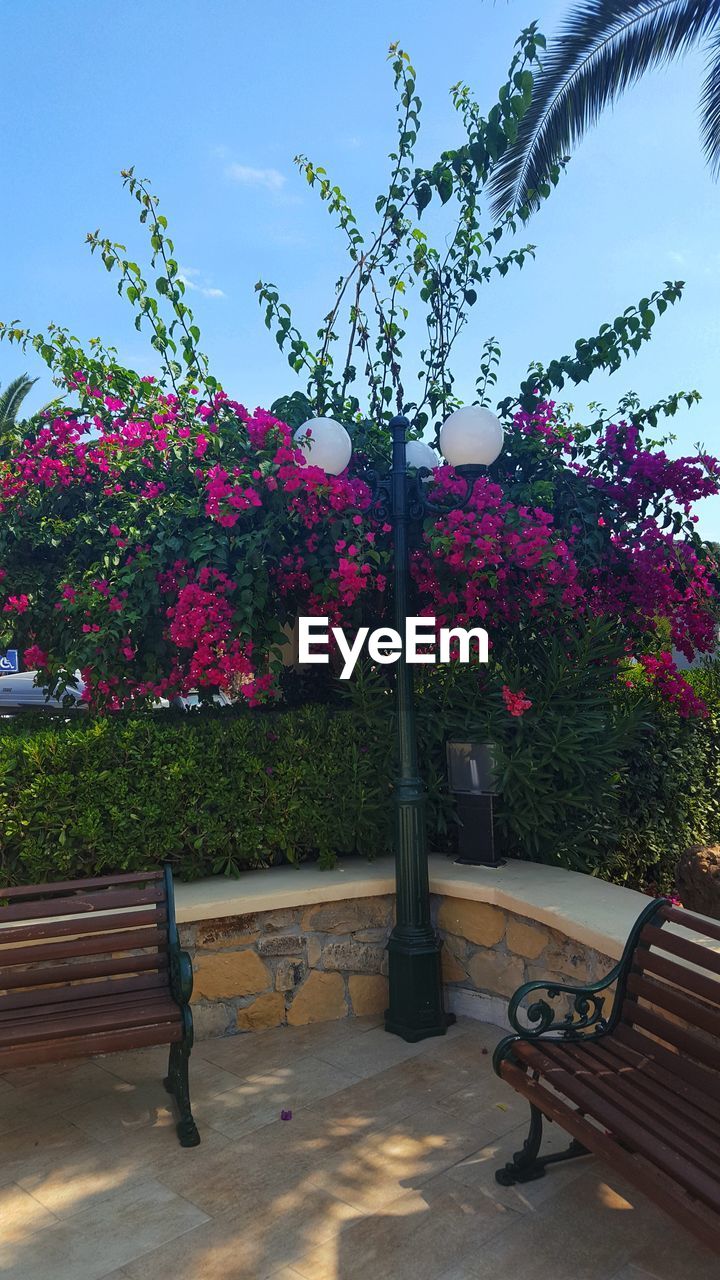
(416, 1008)
(471, 439)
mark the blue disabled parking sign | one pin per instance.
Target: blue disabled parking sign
(9, 662)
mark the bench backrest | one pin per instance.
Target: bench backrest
(107, 936)
(672, 991)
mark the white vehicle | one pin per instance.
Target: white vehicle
(19, 692)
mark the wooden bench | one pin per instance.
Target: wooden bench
(637, 1082)
(95, 966)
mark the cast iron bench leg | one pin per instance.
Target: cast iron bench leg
(177, 1083)
(527, 1165)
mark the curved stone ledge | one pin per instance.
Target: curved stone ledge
(297, 945)
(590, 911)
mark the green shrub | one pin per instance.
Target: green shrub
(671, 793)
(213, 792)
(613, 783)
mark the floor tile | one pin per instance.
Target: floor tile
(40, 1145)
(259, 1098)
(588, 1233)
(70, 1186)
(103, 1238)
(377, 1166)
(251, 1241)
(135, 1108)
(375, 1051)
(414, 1237)
(150, 1066)
(20, 1214)
(673, 1256)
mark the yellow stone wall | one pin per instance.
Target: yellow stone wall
(328, 961)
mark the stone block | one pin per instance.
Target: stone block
(452, 970)
(496, 972)
(527, 940)
(314, 952)
(353, 957)
(477, 921)
(187, 934)
(368, 994)
(288, 944)
(321, 998)
(226, 932)
(264, 1011)
(289, 974)
(276, 921)
(372, 935)
(563, 955)
(348, 916)
(230, 973)
(211, 1019)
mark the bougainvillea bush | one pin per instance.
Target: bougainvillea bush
(157, 544)
(157, 536)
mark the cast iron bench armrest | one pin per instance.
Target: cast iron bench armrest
(585, 1019)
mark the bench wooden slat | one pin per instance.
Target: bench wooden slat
(683, 1039)
(51, 1015)
(78, 904)
(95, 944)
(42, 999)
(105, 968)
(610, 1114)
(644, 1101)
(86, 1046)
(69, 886)
(677, 915)
(65, 926)
(706, 1082)
(643, 1173)
(149, 1013)
(662, 996)
(680, 975)
(665, 940)
(695, 1101)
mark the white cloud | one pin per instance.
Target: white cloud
(208, 291)
(244, 174)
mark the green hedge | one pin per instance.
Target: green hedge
(616, 790)
(214, 792)
(671, 791)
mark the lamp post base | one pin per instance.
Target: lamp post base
(416, 1009)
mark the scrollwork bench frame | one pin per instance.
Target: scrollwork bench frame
(631, 1070)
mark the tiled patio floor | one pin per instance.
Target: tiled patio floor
(384, 1172)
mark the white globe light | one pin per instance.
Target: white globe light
(419, 454)
(325, 443)
(471, 435)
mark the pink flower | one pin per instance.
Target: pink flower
(16, 604)
(516, 703)
(35, 656)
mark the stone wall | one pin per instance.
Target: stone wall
(293, 965)
(492, 951)
(328, 961)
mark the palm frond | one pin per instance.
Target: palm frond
(12, 397)
(710, 108)
(602, 49)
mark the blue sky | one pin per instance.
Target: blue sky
(211, 99)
